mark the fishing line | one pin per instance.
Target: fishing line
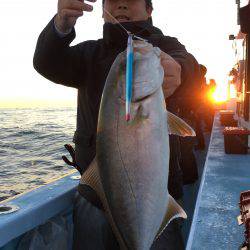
(128, 32)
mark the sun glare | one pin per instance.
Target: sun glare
(222, 93)
(219, 94)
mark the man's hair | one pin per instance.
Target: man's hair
(148, 3)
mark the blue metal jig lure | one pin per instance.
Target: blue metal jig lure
(129, 75)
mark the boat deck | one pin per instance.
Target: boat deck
(191, 190)
(225, 176)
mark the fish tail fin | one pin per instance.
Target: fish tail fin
(176, 126)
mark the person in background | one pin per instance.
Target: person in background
(189, 106)
(85, 67)
(199, 114)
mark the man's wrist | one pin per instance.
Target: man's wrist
(59, 31)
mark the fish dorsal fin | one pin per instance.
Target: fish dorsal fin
(176, 126)
(174, 210)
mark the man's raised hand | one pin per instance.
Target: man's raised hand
(68, 11)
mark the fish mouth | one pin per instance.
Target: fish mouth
(122, 18)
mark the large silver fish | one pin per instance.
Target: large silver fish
(130, 171)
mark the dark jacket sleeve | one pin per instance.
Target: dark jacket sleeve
(190, 71)
(60, 63)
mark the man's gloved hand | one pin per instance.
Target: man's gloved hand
(172, 74)
(68, 11)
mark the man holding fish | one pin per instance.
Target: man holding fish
(87, 66)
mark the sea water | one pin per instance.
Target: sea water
(31, 147)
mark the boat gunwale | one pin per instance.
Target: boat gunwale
(37, 206)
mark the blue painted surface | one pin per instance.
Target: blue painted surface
(37, 207)
(225, 177)
(56, 233)
(191, 190)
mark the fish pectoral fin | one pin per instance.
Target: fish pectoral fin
(176, 126)
(174, 211)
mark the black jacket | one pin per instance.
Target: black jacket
(86, 66)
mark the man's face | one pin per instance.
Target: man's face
(126, 10)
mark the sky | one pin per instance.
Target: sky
(203, 26)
